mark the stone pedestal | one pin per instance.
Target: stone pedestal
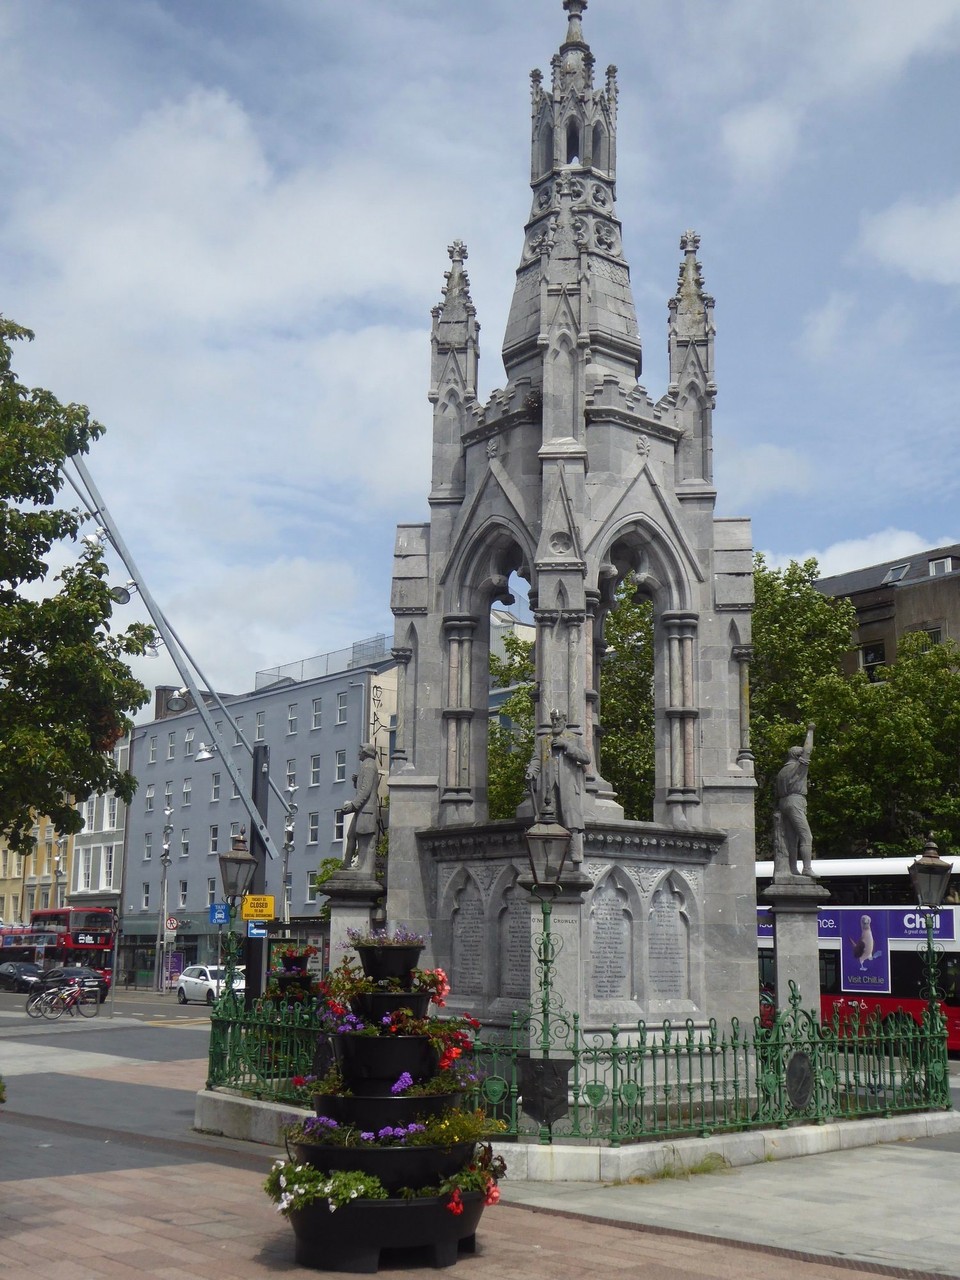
(796, 955)
(353, 897)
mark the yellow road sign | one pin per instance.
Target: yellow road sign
(257, 906)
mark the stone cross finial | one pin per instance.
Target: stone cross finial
(457, 251)
(690, 242)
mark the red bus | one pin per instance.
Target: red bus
(61, 936)
(872, 941)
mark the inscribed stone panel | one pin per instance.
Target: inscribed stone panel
(610, 943)
(668, 942)
(468, 923)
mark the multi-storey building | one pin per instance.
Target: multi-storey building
(914, 593)
(313, 717)
(36, 879)
(95, 872)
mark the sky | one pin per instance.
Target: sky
(227, 222)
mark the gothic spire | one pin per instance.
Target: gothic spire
(573, 249)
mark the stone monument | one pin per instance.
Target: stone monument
(572, 476)
(795, 893)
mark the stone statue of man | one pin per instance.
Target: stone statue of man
(793, 840)
(556, 775)
(361, 846)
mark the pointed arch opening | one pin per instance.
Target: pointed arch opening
(511, 727)
(573, 142)
(546, 149)
(600, 148)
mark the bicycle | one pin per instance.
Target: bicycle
(55, 1001)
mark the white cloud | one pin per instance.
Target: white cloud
(921, 240)
(747, 475)
(841, 332)
(760, 140)
(824, 329)
(860, 553)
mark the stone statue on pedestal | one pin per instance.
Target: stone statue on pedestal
(792, 838)
(361, 845)
(556, 775)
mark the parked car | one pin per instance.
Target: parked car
(19, 975)
(205, 982)
(78, 973)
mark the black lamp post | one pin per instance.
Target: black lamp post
(930, 875)
(547, 845)
(237, 868)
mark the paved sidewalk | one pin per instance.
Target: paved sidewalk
(102, 1178)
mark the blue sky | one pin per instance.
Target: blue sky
(227, 222)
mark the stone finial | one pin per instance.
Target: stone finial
(575, 9)
(690, 242)
(457, 251)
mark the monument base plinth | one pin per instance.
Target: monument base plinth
(353, 896)
(793, 903)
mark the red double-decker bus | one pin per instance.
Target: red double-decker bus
(60, 936)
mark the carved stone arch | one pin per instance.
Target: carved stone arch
(600, 147)
(512, 952)
(673, 923)
(638, 544)
(614, 916)
(468, 933)
(498, 547)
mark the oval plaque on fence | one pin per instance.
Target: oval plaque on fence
(800, 1080)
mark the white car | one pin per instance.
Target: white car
(205, 982)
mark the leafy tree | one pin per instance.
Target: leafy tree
(510, 744)
(885, 770)
(65, 690)
(626, 684)
(627, 702)
(799, 638)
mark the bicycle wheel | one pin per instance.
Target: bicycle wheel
(88, 1004)
(52, 1005)
(33, 1003)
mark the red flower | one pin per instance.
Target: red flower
(335, 1007)
(493, 1193)
(298, 1081)
(455, 1203)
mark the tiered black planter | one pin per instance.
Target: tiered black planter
(351, 1238)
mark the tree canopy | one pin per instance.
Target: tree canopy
(65, 689)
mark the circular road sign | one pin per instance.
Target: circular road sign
(172, 923)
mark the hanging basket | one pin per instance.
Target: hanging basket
(350, 1239)
(396, 1167)
(376, 1112)
(383, 1059)
(381, 962)
(380, 1004)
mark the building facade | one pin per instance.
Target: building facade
(899, 597)
(313, 717)
(37, 879)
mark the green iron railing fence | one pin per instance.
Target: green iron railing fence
(629, 1085)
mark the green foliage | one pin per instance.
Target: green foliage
(799, 638)
(627, 702)
(65, 689)
(295, 1186)
(510, 746)
(626, 685)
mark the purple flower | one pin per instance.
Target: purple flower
(316, 1124)
(366, 1136)
(389, 1132)
(404, 1082)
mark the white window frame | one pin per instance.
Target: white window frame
(145, 895)
(182, 895)
(148, 797)
(214, 837)
(314, 771)
(260, 727)
(188, 743)
(147, 846)
(293, 718)
(340, 766)
(171, 746)
(184, 842)
(337, 825)
(214, 788)
(291, 773)
(313, 828)
(187, 791)
(152, 750)
(342, 707)
(317, 713)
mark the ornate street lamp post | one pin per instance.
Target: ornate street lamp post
(930, 876)
(547, 845)
(160, 960)
(237, 869)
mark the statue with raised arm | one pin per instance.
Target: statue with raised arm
(361, 846)
(556, 776)
(792, 838)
